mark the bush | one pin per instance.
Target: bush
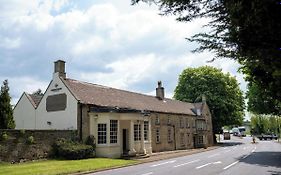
(91, 141)
(22, 132)
(30, 140)
(4, 136)
(67, 149)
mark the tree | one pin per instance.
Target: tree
(260, 102)
(224, 97)
(6, 111)
(38, 92)
(247, 31)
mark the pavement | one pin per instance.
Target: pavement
(236, 156)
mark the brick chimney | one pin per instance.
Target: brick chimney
(60, 68)
(160, 91)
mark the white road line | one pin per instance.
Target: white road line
(186, 163)
(203, 165)
(245, 156)
(218, 162)
(225, 148)
(172, 161)
(213, 155)
(148, 173)
(230, 165)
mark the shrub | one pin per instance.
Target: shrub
(4, 136)
(30, 140)
(91, 141)
(22, 132)
(68, 149)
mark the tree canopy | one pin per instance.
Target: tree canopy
(224, 97)
(6, 111)
(247, 31)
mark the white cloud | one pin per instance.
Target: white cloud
(109, 43)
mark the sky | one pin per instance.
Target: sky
(110, 43)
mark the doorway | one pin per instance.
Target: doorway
(125, 141)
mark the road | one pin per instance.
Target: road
(237, 157)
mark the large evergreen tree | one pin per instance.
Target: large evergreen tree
(224, 97)
(6, 111)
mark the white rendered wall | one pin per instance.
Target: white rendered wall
(24, 114)
(66, 119)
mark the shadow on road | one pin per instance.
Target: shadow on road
(223, 144)
(275, 172)
(266, 159)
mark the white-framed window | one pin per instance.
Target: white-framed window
(146, 129)
(182, 139)
(169, 135)
(157, 120)
(102, 133)
(137, 132)
(113, 131)
(157, 135)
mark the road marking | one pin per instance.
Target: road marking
(186, 163)
(148, 173)
(226, 151)
(203, 165)
(218, 162)
(172, 161)
(214, 163)
(234, 147)
(225, 148)
(230, 165)
(245, 156)
(254, 149)
(213, 155)
(244, 148)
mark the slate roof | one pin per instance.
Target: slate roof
(34, 99)
(93, 94)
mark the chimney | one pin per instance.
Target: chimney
(160, 91)
(60, 68)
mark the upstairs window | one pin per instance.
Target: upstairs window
(169, 135)
(157, 120)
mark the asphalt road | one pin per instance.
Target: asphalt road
(237, 157)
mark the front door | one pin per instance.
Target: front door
(125, 140)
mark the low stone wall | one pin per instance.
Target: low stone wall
(18, 148)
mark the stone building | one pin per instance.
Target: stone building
(122, 122)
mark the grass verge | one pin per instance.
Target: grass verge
(62, 166)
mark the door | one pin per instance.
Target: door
(125, 140)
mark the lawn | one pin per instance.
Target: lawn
(62, 166)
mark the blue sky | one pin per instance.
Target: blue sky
(104, 42)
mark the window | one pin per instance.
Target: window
(101, 133)
(113, 131)
(145, 130)
(200, 125)
(193, 123)
(182, 139)
(157, 120)
(181, 122)
(187, 138)
(137, 132)
(187, 123)
(157, 135)
(169, 135)
(200, 140)
(169, 120)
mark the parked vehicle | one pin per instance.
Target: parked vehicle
(235, 131)
(267, 136)
(242, 131)
(226, 135)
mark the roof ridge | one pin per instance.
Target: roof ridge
(125, 90)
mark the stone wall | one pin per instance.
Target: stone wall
(17, 148)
